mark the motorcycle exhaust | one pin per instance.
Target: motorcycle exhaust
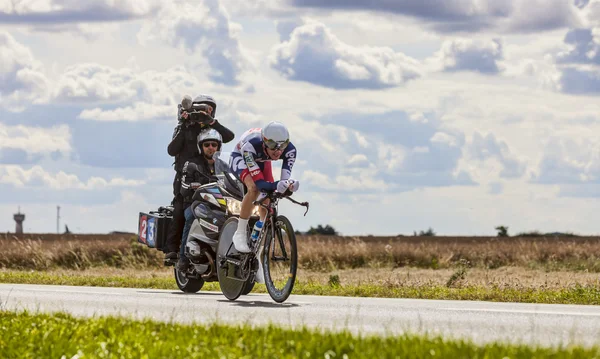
(211, 264)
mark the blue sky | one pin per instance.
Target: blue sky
(457, 115)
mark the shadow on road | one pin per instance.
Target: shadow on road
(200, 294)
(255, 304)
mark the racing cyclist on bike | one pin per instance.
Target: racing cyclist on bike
(251, 163)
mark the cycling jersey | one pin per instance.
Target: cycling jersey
(249, 158)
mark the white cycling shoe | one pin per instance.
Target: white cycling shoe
(240, 241)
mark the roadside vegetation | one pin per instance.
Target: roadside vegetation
(322, 253)
(535, 269)
(59, 335)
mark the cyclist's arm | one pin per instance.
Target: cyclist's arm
(289, 158)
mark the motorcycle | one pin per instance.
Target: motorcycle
(210, 249)
(213, 203)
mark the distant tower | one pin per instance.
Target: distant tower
(19, 218)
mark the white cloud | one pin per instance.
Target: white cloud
(97, 83)
(146, 94)
(583, 46)
(36, 140)
(201, 27)
(314, 54)
(21, 78)
(591, 12)
(468, 15)
(483, 148)
(89, 32)
(580, 81)
(364, 181)
(462, 54)
(570, 161)
(37, 176)
(49, 12)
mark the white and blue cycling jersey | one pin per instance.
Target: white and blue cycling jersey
(249, 157)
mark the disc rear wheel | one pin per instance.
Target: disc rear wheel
(231, 288)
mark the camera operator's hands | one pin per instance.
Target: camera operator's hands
(198, 117)
(184, 115)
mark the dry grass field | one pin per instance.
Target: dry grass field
(321, 253)
(524, 269)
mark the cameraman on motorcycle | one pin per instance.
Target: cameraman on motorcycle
(250, 161)
(195, 173)
(193, 116)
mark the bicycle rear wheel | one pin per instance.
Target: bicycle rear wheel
(231, 288)
(280, 258)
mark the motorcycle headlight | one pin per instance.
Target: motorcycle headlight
(235, 207)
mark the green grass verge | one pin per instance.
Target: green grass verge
(577, 294)
(27, 335)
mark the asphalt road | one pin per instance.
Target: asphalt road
(481, 322)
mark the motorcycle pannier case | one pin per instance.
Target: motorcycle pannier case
(153, 228)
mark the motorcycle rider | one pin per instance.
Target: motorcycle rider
(193, 117)
(250, 161)
(209, 142)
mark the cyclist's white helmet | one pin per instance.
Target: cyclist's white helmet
(275, 136)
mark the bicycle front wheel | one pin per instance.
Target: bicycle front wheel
(279, 258)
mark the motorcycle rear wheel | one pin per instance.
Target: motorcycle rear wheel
(186, 284)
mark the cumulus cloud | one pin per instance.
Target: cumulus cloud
(204, 27)
(38, 177)
(48, 12)
(470, 55)
(581, 3)
(286, 27)
(489, 147)
(260, 8)
(21, 77)
(579, 81)
(314, 54)
(578, 63)
(96, 83)
(399, 151)
(569, 161)
(138, 95)
(468, 15)
(584, 47)
(35, 140)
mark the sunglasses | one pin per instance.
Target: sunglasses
(210, 144)
(276, 145)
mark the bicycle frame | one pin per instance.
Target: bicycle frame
(272, 213)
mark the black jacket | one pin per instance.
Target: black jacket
(192, 178)
(184, 145)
